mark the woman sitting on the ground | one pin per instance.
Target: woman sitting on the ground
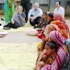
(62, 52)
(49, 57)
(59, 17)
(17, 20)
(50, 17)
(61, 27)
(48, 29)
(41, 46)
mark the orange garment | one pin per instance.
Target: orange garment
(64, 33)
(58, 23)
(62, 30)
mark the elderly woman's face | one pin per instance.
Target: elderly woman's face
(19, 10)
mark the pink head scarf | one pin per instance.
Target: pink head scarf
(57, 37)
(58, 16)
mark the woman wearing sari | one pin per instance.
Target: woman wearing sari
(62, 52)
(61, 23)
(9, 9)
(61, 27)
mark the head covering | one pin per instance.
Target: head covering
(52, 27)
(62, 29)
(58, 16)
(57, 37)
(50, 15)
(55, 26)
(58, 23)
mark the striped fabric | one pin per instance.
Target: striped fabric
(61, 54)
(59, 61)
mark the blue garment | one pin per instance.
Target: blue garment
(67, 43)
(6, 8)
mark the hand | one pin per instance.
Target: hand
(46, 39)
(13, 22)
(32, 18)
(43, 29)
(43, 39)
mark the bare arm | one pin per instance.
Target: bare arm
(12, 21)
(41, 55)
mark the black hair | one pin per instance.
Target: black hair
(51, 15)
(45, 13)
(59, 2)
(52, 45)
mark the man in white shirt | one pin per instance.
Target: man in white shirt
(34, 15)
(59, 9)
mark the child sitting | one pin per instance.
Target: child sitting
(49, 55)
(41, 25)
(43, 21)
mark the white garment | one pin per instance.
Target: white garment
(35, 13)
(60, 10)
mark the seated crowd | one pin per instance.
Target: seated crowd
(52, 51)
(52, 30)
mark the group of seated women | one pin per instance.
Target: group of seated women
(52, 51)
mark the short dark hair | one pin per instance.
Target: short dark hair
(52, 45)
(51, 15)
(59, 2)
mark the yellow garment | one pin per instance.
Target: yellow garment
(39, 47)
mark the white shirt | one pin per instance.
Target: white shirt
(35, 13)
(60, 10)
